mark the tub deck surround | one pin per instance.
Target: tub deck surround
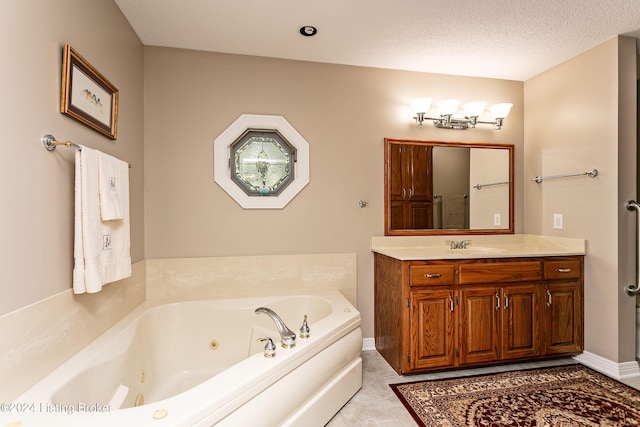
(207, 277)
(203, 365)
(38, 338)
(407, 248)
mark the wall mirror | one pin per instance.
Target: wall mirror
(440, 188)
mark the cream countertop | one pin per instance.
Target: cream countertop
(406, 248)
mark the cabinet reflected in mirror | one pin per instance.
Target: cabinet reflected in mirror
(447, 188)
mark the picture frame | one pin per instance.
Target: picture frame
(87, 95)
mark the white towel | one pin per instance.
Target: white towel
(101, 248)
(113, 175)
(453, 211)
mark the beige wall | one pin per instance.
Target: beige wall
(36, 248)
(343, 112)
(575, 121)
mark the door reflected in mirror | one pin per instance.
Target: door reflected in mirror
(448, 188)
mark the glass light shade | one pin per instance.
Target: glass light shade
(500, 111)
(421, 105)
(448, 106)
(474, 109)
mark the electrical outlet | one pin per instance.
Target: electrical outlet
(557, 221)
(496, 219)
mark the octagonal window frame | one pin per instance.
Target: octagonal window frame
(223, 158)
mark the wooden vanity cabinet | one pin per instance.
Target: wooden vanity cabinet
(449, 313)
(563, 307)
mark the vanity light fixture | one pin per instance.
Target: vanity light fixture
(448, 107)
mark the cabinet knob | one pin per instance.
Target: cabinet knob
(433, 275)
(563, 270)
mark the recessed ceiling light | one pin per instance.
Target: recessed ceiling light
(308, 30)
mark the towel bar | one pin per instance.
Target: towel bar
(591, 173)
(50, 143)
(479, 186)
(435, 196)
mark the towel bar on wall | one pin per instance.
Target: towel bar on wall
(591, 173)
(479, 186)
(631, 289)
(436, 196)
(50, 143)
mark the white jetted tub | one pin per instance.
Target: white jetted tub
(199, 363)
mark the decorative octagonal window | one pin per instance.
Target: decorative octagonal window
(261, 161)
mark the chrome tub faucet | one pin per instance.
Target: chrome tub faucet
(287, 335)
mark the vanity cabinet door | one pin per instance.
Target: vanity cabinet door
(432, 329)
(479, 324)
(520, 321)
(562, 322)
(410, 186)
(411, 215)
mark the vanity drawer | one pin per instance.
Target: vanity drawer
(431, 275)
(496, 272)
(564, 269)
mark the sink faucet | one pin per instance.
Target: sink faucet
(462, 244)
(287, 335)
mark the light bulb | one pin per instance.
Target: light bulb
(448, 106)
(421, 105)
(500, 111)
(474, 109)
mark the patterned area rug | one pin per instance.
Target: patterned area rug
(563, 396)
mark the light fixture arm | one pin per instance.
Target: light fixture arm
(460, 123)
(469, 121)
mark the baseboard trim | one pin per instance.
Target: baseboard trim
(619, 371)
(368, 344)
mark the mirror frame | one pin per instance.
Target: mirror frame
(444, 232)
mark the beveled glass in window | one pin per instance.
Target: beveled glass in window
(262, 162)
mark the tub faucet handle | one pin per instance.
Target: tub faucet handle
(304, 329)
(269, 347)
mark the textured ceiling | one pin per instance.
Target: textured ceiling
(508, 39)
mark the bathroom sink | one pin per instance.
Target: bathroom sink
(486, 249)
(482, 250)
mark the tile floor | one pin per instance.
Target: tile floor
(375, 405)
